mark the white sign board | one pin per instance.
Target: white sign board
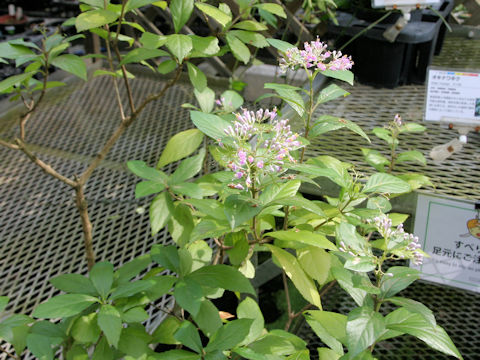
(401, 3)
(453, 96)
(450, 233)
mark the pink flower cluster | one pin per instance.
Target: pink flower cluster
(258, 149)
(315, 55)
(384, 227)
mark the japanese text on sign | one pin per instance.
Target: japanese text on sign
(453, 96)
(391, 3)
(449, 231)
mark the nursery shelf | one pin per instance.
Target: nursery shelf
(40, 235)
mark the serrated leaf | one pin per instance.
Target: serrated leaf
(376, 159)
(364, 327)
(331, 92)
(326, 123)
(400, 277)
(415, 307)
(414, 155)
(386, 183)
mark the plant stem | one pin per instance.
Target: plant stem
(289, 303)
(9, 354)
(82, 207)
(309, 113)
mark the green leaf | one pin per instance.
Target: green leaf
(94, 18)
(331, 92)
(290, 95)
(300, 203)
(175, 355)
(77, 352)
(200, 252)
(181, 225)
(166, 256)
(326, 123)
(294, 271)
(304, 237)
(416, 325)
(179, 146)
(361, 263)
(94, 3)
(364, 327)
(131, 288)
(3, 302)
(250, 25)
(272, 344)
(132, 268)
(135, 4)
(15, 80)
(181, 11)
(316, 262)
(141, 54)
(232, 100)
(179, 45)
(167, 66)
(152, 41)
(327, 354)
(386, 183)
(12, 51)
(189, 295)
(216, 14)
(249, 309)
(330, 327)
(85, 329)
(385, 135)
(222, 276)
(40, 346)
(62, 306)
(164, 332)
(103, 351)
(208, 318)
(272, 8)
(277, 191)
(204, 46)
(415, 307)
(281, 45)
(74, 283)
(400, 277)
(141, 169)
(240, 247)
(347, 233)
(197, 77)
(238, 48)
(414, 155)
(229, 335)
(110, 323)
(344, 279)
(205, 98)
(134, 342)
(238, 210)
(416, 181)
(161, 210)
(211, 125)
(375, 158)
(250, 38)
(101, 276)
(135, 315)
(412, 127)
(344, 75)
(188, 335)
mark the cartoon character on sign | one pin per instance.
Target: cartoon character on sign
(473, 226)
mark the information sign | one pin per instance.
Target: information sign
(449, 231)
(453, 96)
(401, 3)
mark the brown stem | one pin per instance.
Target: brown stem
(289, 304)
(125, 80)
(9, 354)
(45, 167)
(9, 145)
(82, 207)
(114, 79)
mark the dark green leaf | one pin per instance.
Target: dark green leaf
(415, 307)
(188, 168)
(40, 346)
(189, 295)
(330, 327)
(141, 169)
(222, 276)
(400, 278)
(135, 315)
(110, 323)
(238, 211)
(74, 283)
(164, 332)
(208, 318)
(131, 288)
(229, 335)
(64, 306)
(238, 48)
(166, 256)
(103, 351)
(175, 355)
(101, 276)
(132, 268)
(188, 335)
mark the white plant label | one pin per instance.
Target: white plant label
(449, 232)
(402, 3)
(453, 97)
